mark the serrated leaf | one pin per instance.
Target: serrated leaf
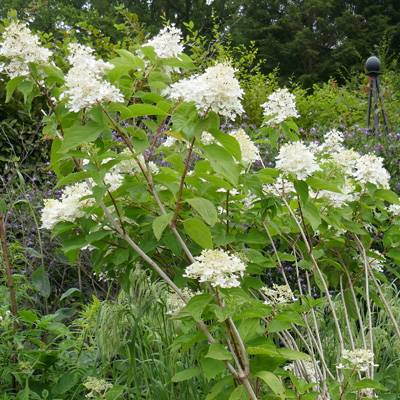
(205, 208)
(223, 163)
(198, 232)
(274, 383)
(196, 305)
(141, 110)
(160, 223)
(239, 393)
(11, 86)
(218, 352)
(312, 215)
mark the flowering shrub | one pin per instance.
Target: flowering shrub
(147, 173)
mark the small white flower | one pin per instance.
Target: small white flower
(21, 47)
(249, 150)
(295, 158)
(278, 294)
(175, 303)
(217, 267)
(369, 169)
(85, 85)
(206, 138)
(358, 359)
(338, 200)
(394, 209)
(216, 90)
(168, 42)
(169, 142)
(281, 188)
(280, 106)
(300, 368)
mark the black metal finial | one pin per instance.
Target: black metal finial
(373, 66)
(375, 99)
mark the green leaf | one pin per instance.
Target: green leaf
(40, 281)
(199, 232)
(68, 293)
(11, 86)
(140, 110)
(26, 88)
(323, 184)
(28, 316)
(218, 352)
(186, 374)
(369, 384)
(274, 383)
(65, 383)
(223, 163)
(388, 195)
(271, 350)
(239, 393)
(205, 208)
(73, 178)
(312, 215)
(211, 368)
(79, 134)
(302, 190)
(160, 223)
(184, 119)
(229, 143)
(196, 305)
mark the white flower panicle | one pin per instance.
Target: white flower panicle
(376, 261)
(249, 150)
(217, 267)
(21, 47)
(307, 368)
(394, 209)
(169, 141)
(216, 90)
(168, 42)
(281, 188)
(207, 138)
(68, 208)
(295, 158)
(280, 106)
(337, 200)
(369, 169)
(97, 387)
(359, 359)
(278, 294)
(333, 141)
(346, 159)
(174, 302)
(85, 84)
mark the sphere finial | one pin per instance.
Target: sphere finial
(372, 66)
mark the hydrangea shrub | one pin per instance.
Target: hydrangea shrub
(148, 173)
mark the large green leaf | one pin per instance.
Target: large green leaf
(223, 163)
(196, 305)
(205, 208)
(239, 393)
(274, 383)
(199, 232)
(271, 350)
(160, 223)
(140, 110)
(218, 352)
(79, 134)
